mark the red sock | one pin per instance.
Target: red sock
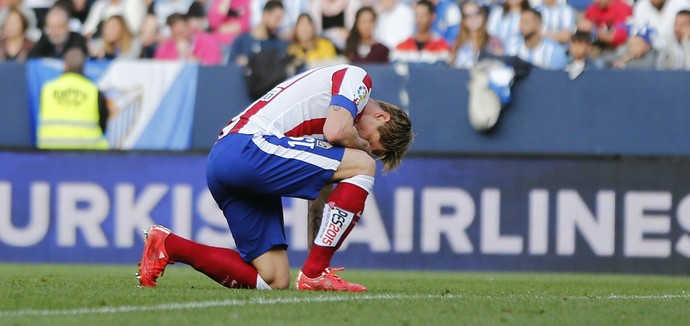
(223, 265)
(345, 196)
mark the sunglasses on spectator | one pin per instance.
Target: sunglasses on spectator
(471, 14)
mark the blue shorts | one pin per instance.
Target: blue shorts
(247, 176)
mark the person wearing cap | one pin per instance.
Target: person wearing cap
(637, 53)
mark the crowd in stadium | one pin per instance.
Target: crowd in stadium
(550, 34)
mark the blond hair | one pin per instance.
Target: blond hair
(396, 136)
(125, 41)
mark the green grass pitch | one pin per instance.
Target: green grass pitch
(107, 295)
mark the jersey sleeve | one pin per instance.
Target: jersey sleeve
(350, 89)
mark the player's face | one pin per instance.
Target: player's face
(372, 118)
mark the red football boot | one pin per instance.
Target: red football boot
(328, 281)
(154, 259)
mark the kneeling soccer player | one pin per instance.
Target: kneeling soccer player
(314, 129)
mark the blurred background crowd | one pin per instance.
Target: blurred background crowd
(574, 35)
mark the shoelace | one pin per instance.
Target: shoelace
(332, 271)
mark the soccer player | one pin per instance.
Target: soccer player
(314, 129)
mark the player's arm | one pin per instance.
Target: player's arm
(350, 92)
(339, 129)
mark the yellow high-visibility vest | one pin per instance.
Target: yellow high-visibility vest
(68, 117)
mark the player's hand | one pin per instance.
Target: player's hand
(366, 146)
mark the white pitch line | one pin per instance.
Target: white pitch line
(215, 303)
(645, 297)
(318, 299)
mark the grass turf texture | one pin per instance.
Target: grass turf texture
(107, 295)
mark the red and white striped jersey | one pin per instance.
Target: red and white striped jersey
(299, 105)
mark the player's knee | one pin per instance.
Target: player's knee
(273, 268)
(280, 282)
(365, 165)
(355, 162)
(276, 280)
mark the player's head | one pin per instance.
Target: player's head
(389, 129)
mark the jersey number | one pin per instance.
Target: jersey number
(301, 141)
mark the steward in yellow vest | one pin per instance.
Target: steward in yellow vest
(72, 112)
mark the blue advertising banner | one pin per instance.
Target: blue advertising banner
(472, 213)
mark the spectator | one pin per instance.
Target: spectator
(558, 20)
(57, 37)
(660, 16)
(424, 47)
(75, 25)
(262, 53)
(334, 18)
(149, 37)
(309, 49)
(228, 19)
(133, 11)
(263, 37)
(164, 8)
(184, 44)
(73, 113)
(197, 20)
(473, 39)
(637, 53)
(536, 49)
(14, 46)
(606, 20)
(81, 9)
(395, 22)
(579, 61)
(676, 55)
(504, 23)
(293, 8)
(447, 22)
(116, 41)
(32, 32)
(361, 46)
